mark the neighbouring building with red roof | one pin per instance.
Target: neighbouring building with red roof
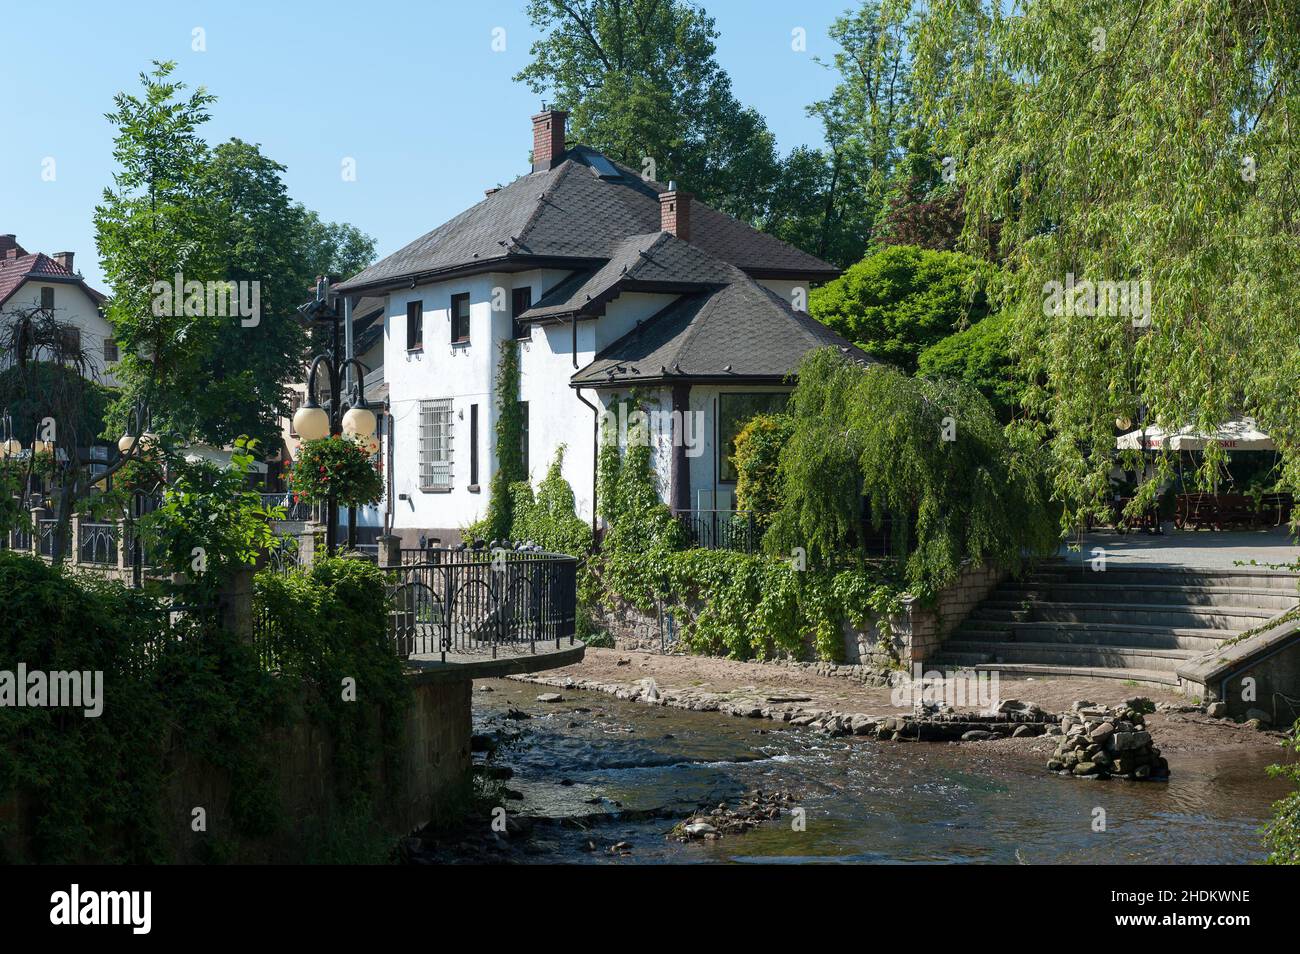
(30, 279)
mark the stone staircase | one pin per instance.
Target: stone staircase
(1133, 623)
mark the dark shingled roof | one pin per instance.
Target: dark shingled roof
(656, 261)
(570, 213)
(740, 332)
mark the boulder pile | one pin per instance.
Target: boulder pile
(1098, 742)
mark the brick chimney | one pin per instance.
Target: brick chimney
(675, 212)
(64, 259)
(548, 139)
(9, 243)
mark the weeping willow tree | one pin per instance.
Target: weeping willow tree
(929, 454)
(1109, 146)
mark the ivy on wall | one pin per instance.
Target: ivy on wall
(497, 524)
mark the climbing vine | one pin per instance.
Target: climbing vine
(510, 452)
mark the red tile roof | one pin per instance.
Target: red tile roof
(15, 271)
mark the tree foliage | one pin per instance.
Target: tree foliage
(929, 454)
(212, 215)
(981, 356)
(640, 80)
(900, 300)
(1119, 142)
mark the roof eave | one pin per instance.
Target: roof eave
(503, 263)
(668, 379)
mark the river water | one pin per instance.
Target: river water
(627, 772)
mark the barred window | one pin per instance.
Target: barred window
(435, 444)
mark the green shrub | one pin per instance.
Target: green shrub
(758, 453)
(95, 784)
(1282, 834)
(327, 624)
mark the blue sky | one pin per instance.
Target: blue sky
(412, 91)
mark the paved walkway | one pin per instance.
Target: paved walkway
(1193, 548)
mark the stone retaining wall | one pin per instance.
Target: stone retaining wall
(920, 629)
(917, 632)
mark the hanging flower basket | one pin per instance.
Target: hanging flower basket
(336, 464)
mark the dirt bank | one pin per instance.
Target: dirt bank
(792, 694)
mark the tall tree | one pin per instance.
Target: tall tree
(210, 352)
(1148, 143)
(145, 229)
(640, 81)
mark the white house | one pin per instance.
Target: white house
(614, 286)
(29, 280)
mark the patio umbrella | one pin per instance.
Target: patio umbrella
(1241, 434)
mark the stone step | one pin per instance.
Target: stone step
(1234, 618)
(1198, 639)
(1149, 676)
(1250, 577)
(1162, 594)
(1088, 656)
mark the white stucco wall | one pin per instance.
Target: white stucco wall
(72, 306)
(466, 374)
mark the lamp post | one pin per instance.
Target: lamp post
(347, 414)
(138, 428)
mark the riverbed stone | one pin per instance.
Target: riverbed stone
(1129, 741)
(1259, 714)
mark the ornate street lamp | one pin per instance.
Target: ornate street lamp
(141, 498)
(347, 414)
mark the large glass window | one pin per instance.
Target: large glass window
(734, 412)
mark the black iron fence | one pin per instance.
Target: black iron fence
(98, 543)
(293, 510)
(481, 601)
(720, 529)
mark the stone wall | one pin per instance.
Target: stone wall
(433, 779)
(1258, 670)
(917, 632)
(920, 629)
(630, 627)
